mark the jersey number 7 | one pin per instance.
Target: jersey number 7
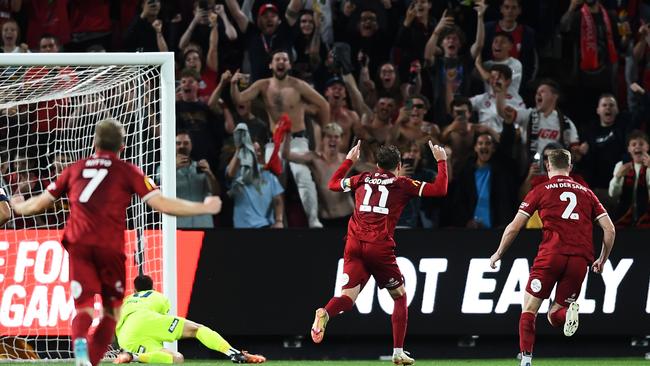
(96, 176)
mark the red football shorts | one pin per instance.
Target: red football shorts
(96, 270)
(362, 259)
(567, 271)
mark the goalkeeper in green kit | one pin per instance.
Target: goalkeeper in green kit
(144, 325)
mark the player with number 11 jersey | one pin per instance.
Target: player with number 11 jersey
(380, 197)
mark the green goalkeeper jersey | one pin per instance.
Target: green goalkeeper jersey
(150, 300)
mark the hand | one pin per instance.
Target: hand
(480, 7)
(510, 114)
(204, 166)
(213, 18)
(348, 8)
(24, 48)
(387, 4)
(182, 161)
(212, 204)
(157, 25)
(445, 22)
(410, 15)
(403, 115)
(363, 59)
(645, 160)
(597, 266)
(278, 225)
(494, 259)
(636, 88)
(318, 20)
(355, 152)
(219, 10)
(226, 76)
(622, 171)
(575, 3)
(238, 76)
(199, 16)
(583, 149)
(534, 170)
(16, 199)
(439, 152)
(499, 87)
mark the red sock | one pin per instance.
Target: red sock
(102, 337)
(399, 320)
(337, 305)
(559, 317)
(527, 332)
(80, 325)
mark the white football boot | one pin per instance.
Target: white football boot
(571, 322)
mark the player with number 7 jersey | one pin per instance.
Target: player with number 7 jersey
(380, 197)
(567, 210)
(99, 190)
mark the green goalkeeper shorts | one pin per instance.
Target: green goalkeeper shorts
(145, 331)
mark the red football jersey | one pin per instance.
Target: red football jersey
(380, 198)
(99, 190)
(567, 210)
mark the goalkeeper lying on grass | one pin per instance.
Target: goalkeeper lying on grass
(144, 325)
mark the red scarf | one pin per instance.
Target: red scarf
(588, 45)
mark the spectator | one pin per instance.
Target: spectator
(205, 127)
(522, 36)
(388, 82)
(310, 51)
(542, 124)
(205, 28)
(419, 211)
(257, 127)
(145, 34)
(500, 78)
(8, 8)
(336, 95)
(90, 23)
(194, 182)
(257, 194)
(596, 45)
(370, 39)
(47, 16)
(49, 43)
(11, 38)
(631, 182)
(604, 146)
(413, 34)
(208, 82)
(269, 34)
(411, 124)
(450, 74)
(483, 195)
(334, 209)
(641, 58)
(502, 43)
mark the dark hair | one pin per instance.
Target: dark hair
(143, 283)
(282, 50)
(635, 135)
(454, 29)
(483, 133)
(183, 132)
(427, 105)
(555, 87)
(460, 100)
(502, 69)
(518, 2)
(49, 35)
(559, 158)
(388, 157)
(505, 35)
(109, 135)
(553, 145)
(190, 73)
(607, 95)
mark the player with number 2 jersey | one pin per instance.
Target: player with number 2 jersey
(380, 197)
(567, 210)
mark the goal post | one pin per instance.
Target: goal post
(69, 93)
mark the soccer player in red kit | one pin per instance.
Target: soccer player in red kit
(567, 210)
(380, 197)
(99, 189)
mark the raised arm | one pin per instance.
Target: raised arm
(609, 233)
(240, 18)
(293, 9)
(355, 96)
(313, 97)
(480, 28)
(566, 22)
(160, 39)
(249, 94)
(213, 102)
(439, 187)
(211, 205)
(187, 35)
(212, 58)
(432, 43)
(337, 181)
(231, 32)
(508, 237)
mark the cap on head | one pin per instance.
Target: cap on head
(267, 7)
(334, 80)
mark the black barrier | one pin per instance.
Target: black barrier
(269, 282)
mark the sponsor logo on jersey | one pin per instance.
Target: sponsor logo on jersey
(173, 325)
(524, 205)
(416, 183)
(151, 185)
(536, 285)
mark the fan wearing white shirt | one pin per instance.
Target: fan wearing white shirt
(486, 104)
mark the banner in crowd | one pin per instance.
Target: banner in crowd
(258, 282)
(35, 276)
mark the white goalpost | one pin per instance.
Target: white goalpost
(49, 105)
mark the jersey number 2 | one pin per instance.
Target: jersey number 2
(573, 201)
(96, 176)
(381, 206)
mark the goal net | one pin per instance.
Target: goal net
(49, 106)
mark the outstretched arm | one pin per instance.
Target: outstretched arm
(508, 237)
(33, 205)
(211, 205)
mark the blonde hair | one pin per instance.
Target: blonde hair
(559, 159)
(332, 128)
(109, 135)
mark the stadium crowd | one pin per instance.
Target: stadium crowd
(271, 95)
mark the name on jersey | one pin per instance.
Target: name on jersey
(565, 185)
(379, 181)
(98, 162)
(546, 133)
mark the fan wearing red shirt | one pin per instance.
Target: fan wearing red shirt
(380, 197)
(567, 210)
(99, 190)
